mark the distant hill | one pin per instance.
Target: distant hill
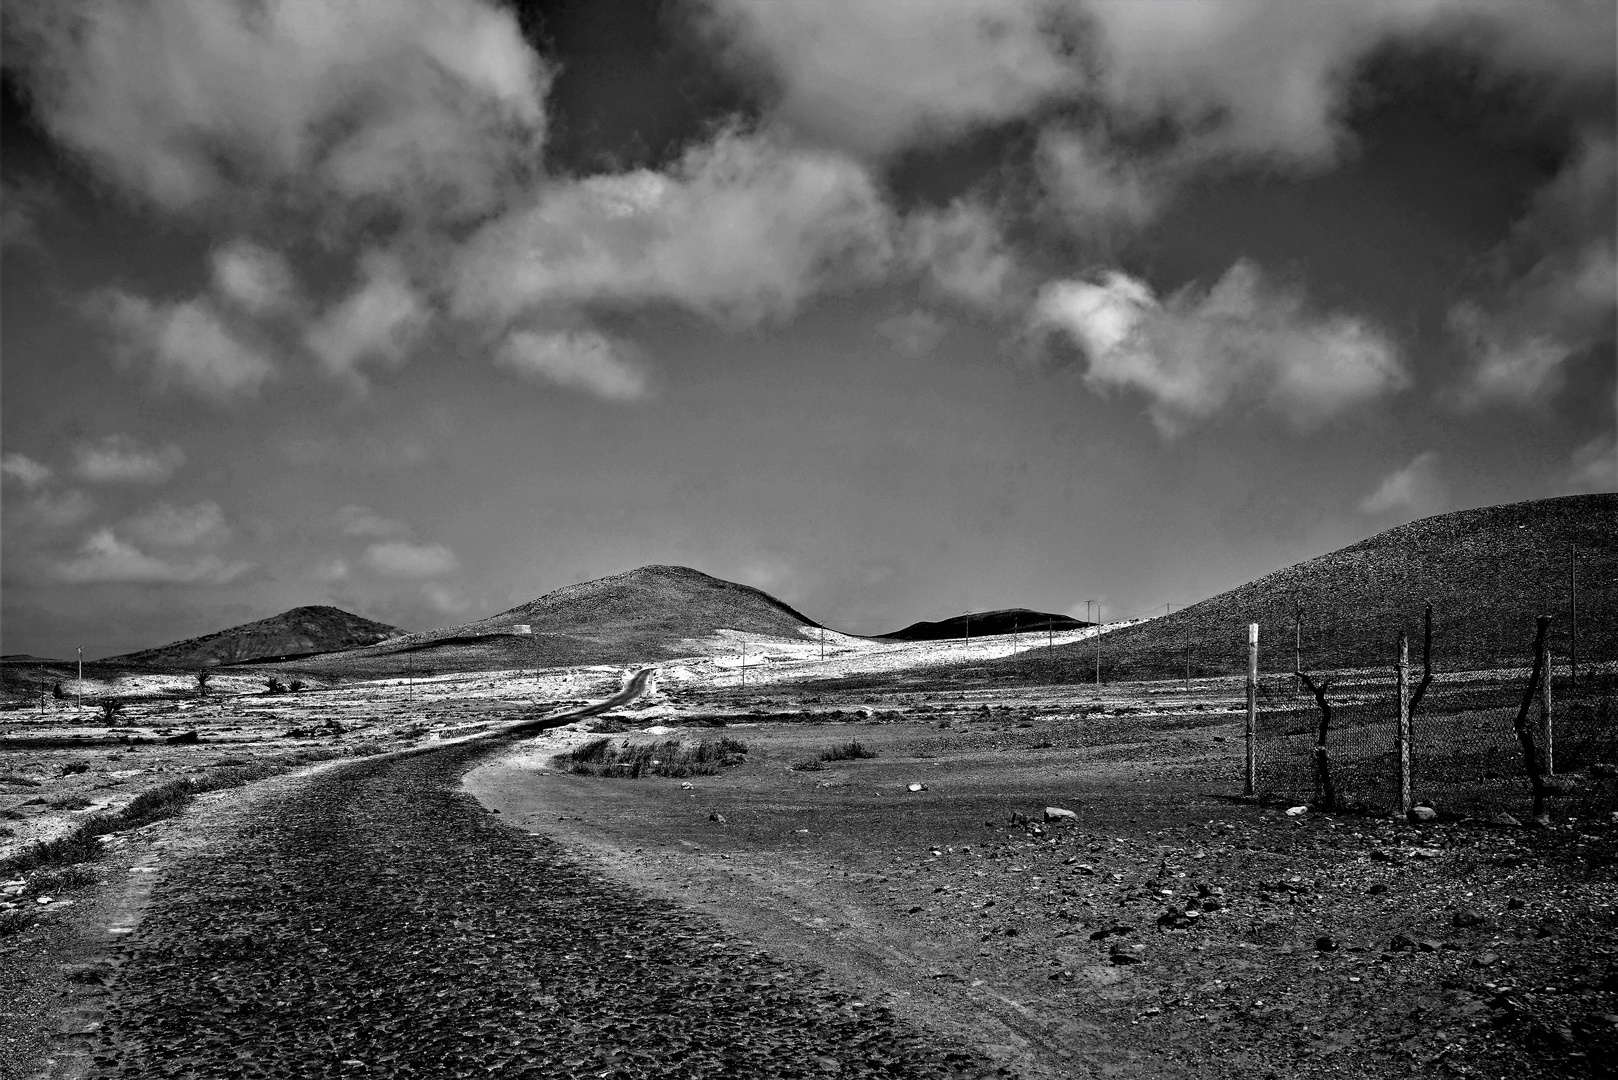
(301, 632)
(1487, 573)
(651, 613)
(985, 623)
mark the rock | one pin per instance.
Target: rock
(1423, 813)
(1516, 903)
(1504, 821)
(685, 785)
(1378, 889)
(183, 739)
(1465, 918)
(916, 787)
(1084, 868)
(1559, 785)
(1402, 943)
(1487, 959)
(1603, 771)
(718, 817)
(1294, 811)
(1128, 954)
(1019, 818)
(1326, 943)
(1057, 813)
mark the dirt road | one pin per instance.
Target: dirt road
(378, 922)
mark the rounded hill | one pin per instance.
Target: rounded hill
(300, 632)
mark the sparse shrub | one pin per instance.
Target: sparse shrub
(604, 757)
(203, 679)
(68, 802)
(73, 768)
(272, 685)
(808, 766)
(365, 749)
(849, 751)
(57, 692)
(110, 708)
(67, 879)
(296, 685)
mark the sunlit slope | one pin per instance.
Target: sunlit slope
(651, 613)
(1487, 573)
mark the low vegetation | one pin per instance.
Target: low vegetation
(849, 751)
(606, 757)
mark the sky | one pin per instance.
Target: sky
(894, 310)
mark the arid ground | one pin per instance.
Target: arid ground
(908, 913)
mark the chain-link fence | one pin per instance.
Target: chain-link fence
(1466, 757)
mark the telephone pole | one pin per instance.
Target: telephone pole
(79, 689)
(1573, 614)
(1098, 644)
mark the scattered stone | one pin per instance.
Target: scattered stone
(185, 738)
(1019, 818)
(1326, 943)
(1516, 903)
(1503, 820)
(917, 787)
(716, 816)
(1423, 813)
(1487, 959)
(1465, 918)
(1057, 813)
(1603, 771)
(1127, 954)
(1294, 811)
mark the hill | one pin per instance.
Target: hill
(301, 632)
(1487, 572)
(985, 623)
(651, 613)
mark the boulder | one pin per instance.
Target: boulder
(1057, 813)
(1423, 813)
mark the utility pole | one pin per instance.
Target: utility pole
(1573, 614)
(79, 689)
(969, 628)
(1249, 787)
(1297, 635)
(1098, 644)
(744, 663)
(822, 644)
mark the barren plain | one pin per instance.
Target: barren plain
(337, 904)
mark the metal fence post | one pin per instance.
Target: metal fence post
(1404, 724)
(1251, 787)
(1547, 759)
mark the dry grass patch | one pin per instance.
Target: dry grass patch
(605, 757)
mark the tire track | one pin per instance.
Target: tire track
(378, 922)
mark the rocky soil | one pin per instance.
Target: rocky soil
(380, 923)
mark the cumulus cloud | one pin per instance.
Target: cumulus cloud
(51, 509)
(1201, 352)
(741, 229)
(121, 459)
(254, 278)
(185, 344)
(1594, 467)
(962, 254)
(105, 558)
(878, 77)
(1556, 288)
(377, 322)
(444, 599)
(404, 559)
(196, 102)
(914, 333)
(166, 525)
(579, 359)
(1211, 84)
(360, 521)
(22, 201)
(23, 469)
(1414, 489)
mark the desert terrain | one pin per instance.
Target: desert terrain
(1149, 923)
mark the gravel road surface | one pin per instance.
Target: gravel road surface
(378, 922)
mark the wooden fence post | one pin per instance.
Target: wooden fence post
(1404, 724)
(1547, 758)
(1251, 787)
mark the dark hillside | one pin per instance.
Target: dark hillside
(1487, 572)
(647, 614)
(299, 632)
(985, 623)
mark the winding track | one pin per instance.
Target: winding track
(378, 922)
